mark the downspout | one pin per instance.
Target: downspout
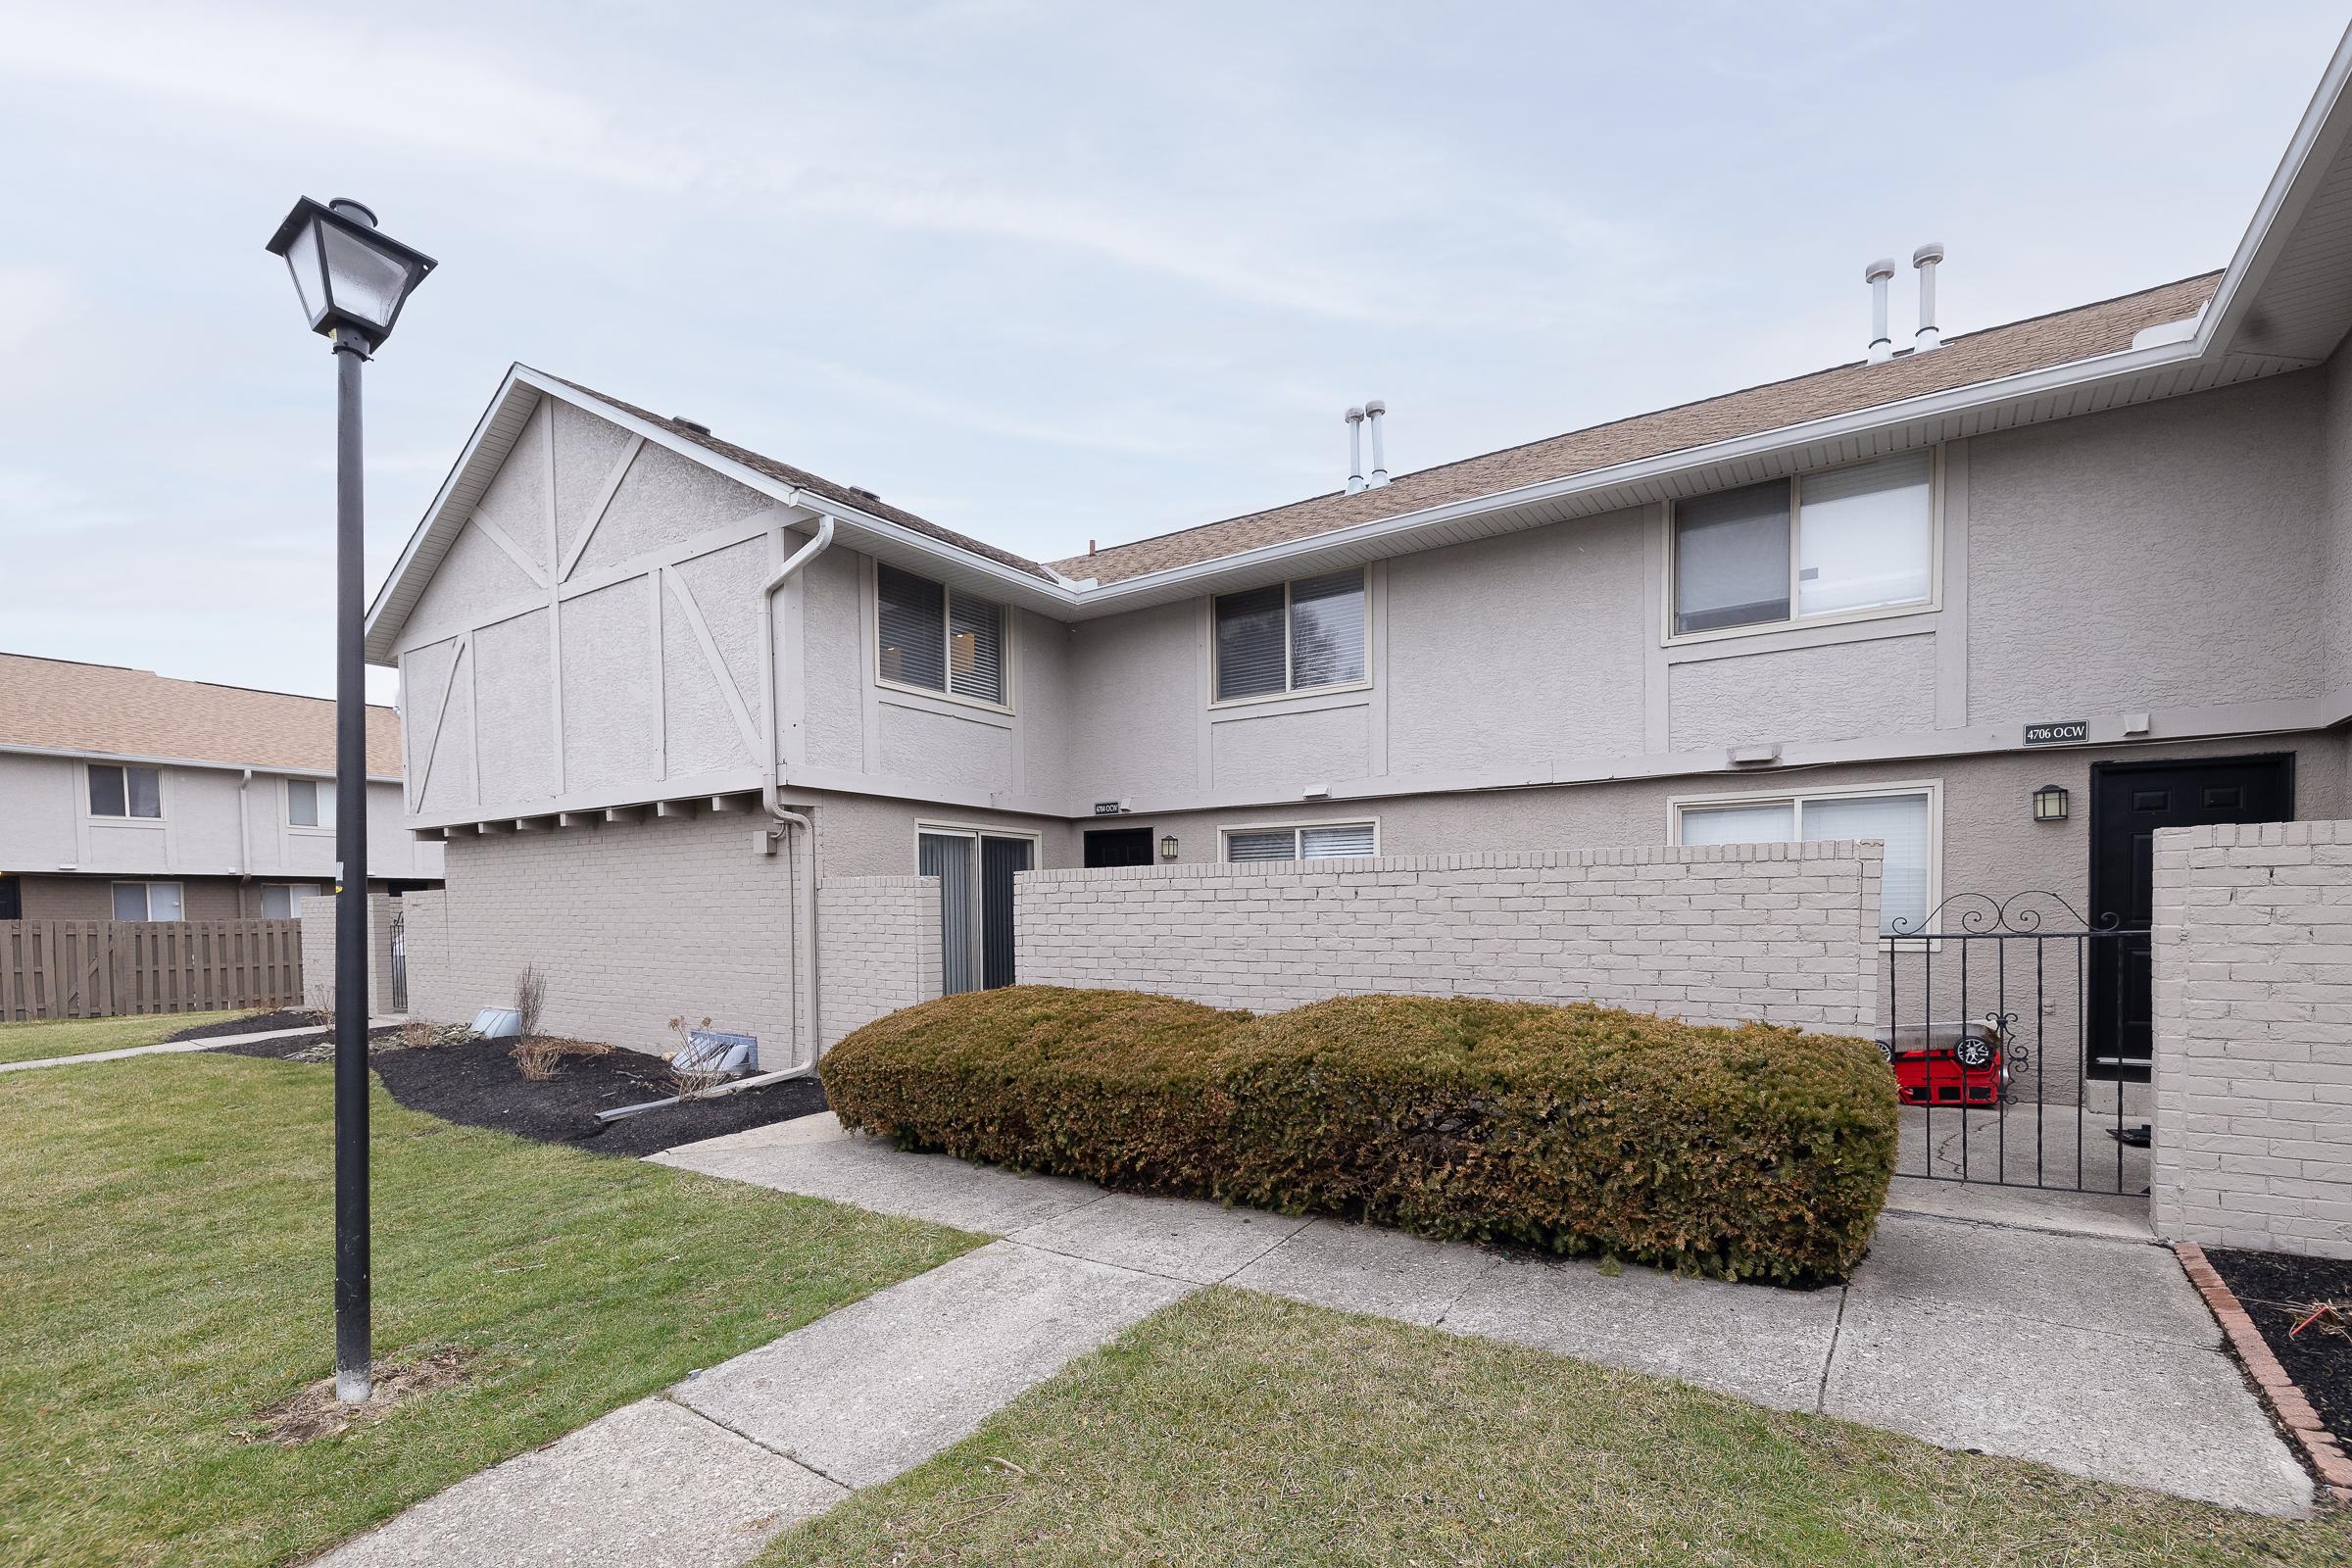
(244, 837)
(771, 782)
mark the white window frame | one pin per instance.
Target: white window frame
(1670, 638)
(1006, 621)
(147, 889)
(325, 789)
(1931, 788)
(1290, 691)
(293, 904)
(974, 832)
(1226, 831)
(163, 802)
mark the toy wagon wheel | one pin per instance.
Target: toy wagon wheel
(1974, 1051)
(1887, 1051)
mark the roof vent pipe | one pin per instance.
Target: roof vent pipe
(1374, 408)
(1924, 259)
(1878, 275)
(1355, 450)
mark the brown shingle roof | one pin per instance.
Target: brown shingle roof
(60, 705)
(2105, 327)
(844, 495)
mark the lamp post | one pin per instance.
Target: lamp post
(352, 282)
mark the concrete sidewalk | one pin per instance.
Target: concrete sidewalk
(2092, 1354)
(174, 1046)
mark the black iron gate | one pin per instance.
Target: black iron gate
(397, 1002)
(1995, 1019)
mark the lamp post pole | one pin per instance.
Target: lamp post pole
(352, 281)
(353, 1347)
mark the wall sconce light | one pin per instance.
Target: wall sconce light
(2049, 804)
(1167, 847)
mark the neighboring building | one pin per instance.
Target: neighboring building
(128, 795)
(1839, 606)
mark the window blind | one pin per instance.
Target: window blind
(1327, 630)
(1250, 641)
(911, 612)
(1339, 842)
(975, 648)
(1731, 557)
(1901, 821)
(1770, 822)
(1269, 844)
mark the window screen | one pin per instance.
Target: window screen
(309, 803)
(146, 794)
(130, 901)
(912, 617)
(1251, 642)
(1901, 821)
(125, 791)
(1731, 557)
(1327, 630)
(1772, 822)
(1331, 842)
(1262, 844)
(283, 900)
(975, 648)
(106, 796)
(1864, 533)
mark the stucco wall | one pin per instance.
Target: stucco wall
(632, 924)
(880, 941)
(1786, 933)
(2153, 557)
(2253, 1077)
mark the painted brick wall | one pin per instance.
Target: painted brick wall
(1715, 934)
(879, 936)
(2253, 1075)
(318, 918)
(632, 923)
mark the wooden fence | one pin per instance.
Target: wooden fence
(102, 968)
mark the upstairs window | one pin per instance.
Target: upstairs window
(1291, 637)
(1837, 541)
(937, 639)
(125, 791)
(1327, 840)
(309, 803)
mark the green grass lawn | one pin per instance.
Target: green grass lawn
(165, 1272)
(1235, 1429)
(74, 1037)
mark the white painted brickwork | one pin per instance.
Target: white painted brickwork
(1715, 934)
(879, 936)
(2253, 1076)
(318, 916)
(633, 923)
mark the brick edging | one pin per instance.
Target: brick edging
(2286, 1402)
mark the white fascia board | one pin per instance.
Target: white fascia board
(139, 760)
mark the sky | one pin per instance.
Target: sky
(1042, 272)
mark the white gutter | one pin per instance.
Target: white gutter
(770, 783)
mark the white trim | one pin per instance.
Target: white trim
(1793, 621)
(974, 833)
(163, 803)
(147, 887)
(1226, 831)
(1931, 788)
(600, 506)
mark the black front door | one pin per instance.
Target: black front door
(2129, 803)
(1117, 846)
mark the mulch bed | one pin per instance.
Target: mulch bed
(480, 1084)
(2276, 1290)
(259, 1023)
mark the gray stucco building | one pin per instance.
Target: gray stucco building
(661, 692)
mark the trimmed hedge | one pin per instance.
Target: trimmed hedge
(1747, 1152)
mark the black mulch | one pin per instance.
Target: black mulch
(2276, 1290)
(258, 1023)
(480, 1085)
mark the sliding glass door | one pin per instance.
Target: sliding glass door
(976, 872)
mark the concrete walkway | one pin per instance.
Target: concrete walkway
(2088, 1352)
(172, 1047)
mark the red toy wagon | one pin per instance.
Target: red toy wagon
(1959, 1063)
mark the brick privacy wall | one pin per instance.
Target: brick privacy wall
(880, 942)
(633, 925)
(1713, 933)
(2253, 1075)
(318, 916)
